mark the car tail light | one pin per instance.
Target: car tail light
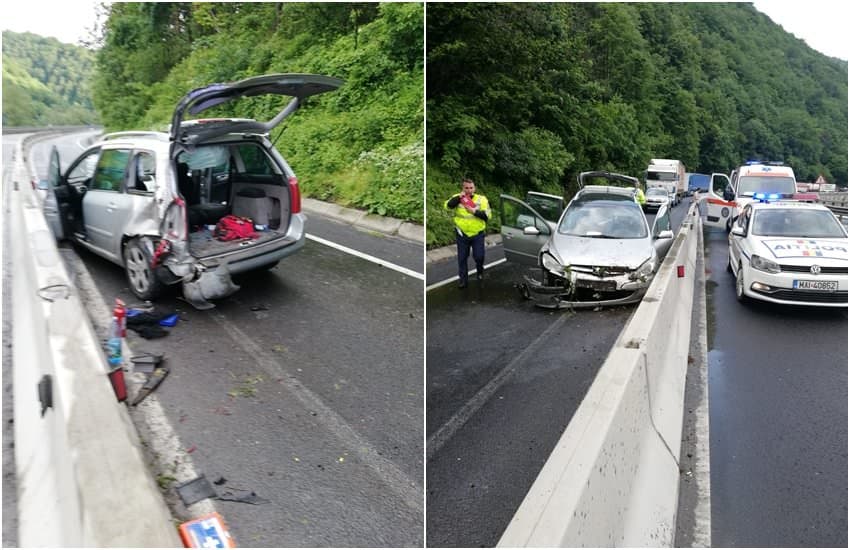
(174, 224)
(294, 195)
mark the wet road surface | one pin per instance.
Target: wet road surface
(503, 380)
(778, 416)
(304, 386)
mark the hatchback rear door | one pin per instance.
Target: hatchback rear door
(298, 86)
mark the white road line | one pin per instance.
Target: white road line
(447, 430)
(363, 255)
(455, 278)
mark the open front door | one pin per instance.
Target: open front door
(718, 209)
(524, 231)
(58, 197)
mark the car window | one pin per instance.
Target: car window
(255, 161)
(109, 174)
(797, 223)
(653, 191)
(612, 219)
(82, 171)
(519, 216)
(143, 173)
(747, 185)
(661, 223)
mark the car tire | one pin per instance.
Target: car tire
(739, 286)
(140, 275)
(729, 267)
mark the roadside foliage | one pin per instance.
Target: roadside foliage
(359, 146)
(524, 96)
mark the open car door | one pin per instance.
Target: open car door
(298, 86)
(57, 199)
(524, 230)
(662, 232)
(718, 208)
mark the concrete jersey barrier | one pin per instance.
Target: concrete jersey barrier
(82, 478)
(613, 477)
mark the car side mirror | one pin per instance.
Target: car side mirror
(530, 230)
(738, 231)
(728, 193)
(665, 234)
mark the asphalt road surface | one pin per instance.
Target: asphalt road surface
(503, 380)
(778, 414)
(305, 386)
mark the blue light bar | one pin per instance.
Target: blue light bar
(766, 197)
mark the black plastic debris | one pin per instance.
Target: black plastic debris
(147, 323)
(220, 481)
(248, 497)
(146, 362)
(154, 379)
(195, 490)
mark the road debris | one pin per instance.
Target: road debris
(154, 380)
(195, 490)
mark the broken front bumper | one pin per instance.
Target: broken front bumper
(584, 291)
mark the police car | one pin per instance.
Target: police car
(789, 252)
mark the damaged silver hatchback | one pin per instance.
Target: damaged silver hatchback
(598, 251)
(151, 201)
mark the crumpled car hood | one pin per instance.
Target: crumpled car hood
(573, 250)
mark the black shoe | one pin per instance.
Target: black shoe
(480, 276)
(461, 285)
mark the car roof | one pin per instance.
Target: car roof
(765, 170)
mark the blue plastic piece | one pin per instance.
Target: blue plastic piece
(133, 312)
(169, 321)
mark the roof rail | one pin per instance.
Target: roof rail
(134, 133)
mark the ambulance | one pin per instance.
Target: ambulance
(728, 195)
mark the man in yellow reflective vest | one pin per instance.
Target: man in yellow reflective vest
(471, 213)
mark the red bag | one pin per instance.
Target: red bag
(232, 228)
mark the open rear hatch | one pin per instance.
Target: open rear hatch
(298, 86)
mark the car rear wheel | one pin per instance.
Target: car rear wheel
(137, 264)
(739, 286)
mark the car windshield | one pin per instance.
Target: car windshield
(604, 219)
(656, 191)
(661, 176)
(797, 223)
(747, 185)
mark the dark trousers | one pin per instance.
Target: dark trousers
(464, 243)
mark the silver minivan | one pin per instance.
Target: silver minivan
(150, 201)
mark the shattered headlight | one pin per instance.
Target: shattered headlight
(550, 263)
(644, 272)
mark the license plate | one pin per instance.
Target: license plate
(830, 286)
(604, 286)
